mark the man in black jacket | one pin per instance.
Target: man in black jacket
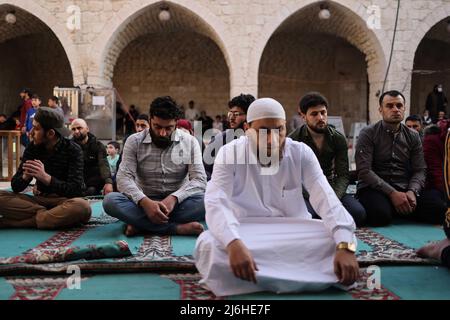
(57, 165)
(97, 174)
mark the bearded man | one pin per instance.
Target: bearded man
(56, 163)
(97, 174)
(261, 236)
(330, 148)
(161, 179)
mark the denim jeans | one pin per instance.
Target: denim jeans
(121, 207)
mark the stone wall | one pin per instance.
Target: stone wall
(184, 65)
(241, 31)
(295, 64)
(34, 61)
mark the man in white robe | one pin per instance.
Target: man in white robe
(261, 236)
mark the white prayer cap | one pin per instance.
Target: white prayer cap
(265, 108)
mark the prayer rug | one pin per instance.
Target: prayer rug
(396, 283)
(99, 246)
(32, 251)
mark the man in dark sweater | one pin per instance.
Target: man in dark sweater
(97, 174)
(57, 165)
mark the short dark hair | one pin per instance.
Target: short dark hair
(242, 101)
(165, 108)
(35, 96)
(115, 144)
(312, 99)
(391, 93)
(142, 116)
(3, 115)
(54, 98)
(414, 117)
(27, 91)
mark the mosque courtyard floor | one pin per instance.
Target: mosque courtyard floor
(37, 264)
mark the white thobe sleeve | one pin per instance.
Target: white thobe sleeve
(220, 218)
(324, 200)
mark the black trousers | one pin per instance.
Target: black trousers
(431, 207)
(351, 204)
(94, 188)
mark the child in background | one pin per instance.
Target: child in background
(36, 103)
(113, 149)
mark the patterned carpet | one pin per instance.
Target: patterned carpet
(163, 268)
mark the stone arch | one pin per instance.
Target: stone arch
(107, 47)
(347, 22)
(431, 65)
(59, 29)
(423, 27)
(41, 28)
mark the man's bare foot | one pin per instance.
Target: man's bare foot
(191, 228)
(434, 249)
(131, 231)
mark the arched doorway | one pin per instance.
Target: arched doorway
(339, 57)
(179, 57)
(30, 56)
(431, 65)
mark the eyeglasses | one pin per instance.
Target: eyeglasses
(235, 114)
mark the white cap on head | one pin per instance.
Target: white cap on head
(265, 108)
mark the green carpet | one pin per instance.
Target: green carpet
(162, 267)
(150, 253)
(398, 282)
(417, 282)
(413, 234)
(123, 287)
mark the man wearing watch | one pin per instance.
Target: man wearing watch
(260, 234)
(391, 168)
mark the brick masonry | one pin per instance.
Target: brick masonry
(234, 43)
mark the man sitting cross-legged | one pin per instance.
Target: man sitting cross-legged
(441, 250)
(161, 178)
(57, 165)
(238, 124)
(97, 174)
(391, 168)
(330, 147)
(261, 236)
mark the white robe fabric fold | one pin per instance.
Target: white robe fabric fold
(292, 251)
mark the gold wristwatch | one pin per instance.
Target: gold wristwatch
(347, 246)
